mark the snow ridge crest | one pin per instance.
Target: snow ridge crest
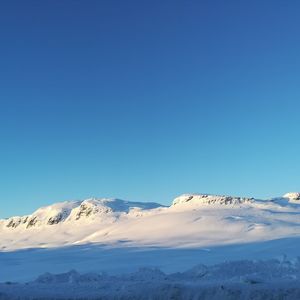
(210, 199)
(88, 209)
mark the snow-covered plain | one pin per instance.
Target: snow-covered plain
(120, 237)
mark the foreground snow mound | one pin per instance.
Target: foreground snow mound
(72, 277)
(271, 279)
(230, 271)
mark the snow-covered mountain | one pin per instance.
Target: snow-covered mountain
(74, 211)
(191, 220)
(210, 199)
(120, 236)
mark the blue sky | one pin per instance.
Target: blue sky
(145, 100)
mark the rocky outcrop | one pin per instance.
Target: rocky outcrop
(292, 196)
(56, 219)
(14, 222)
(210, 199)
(88, 209)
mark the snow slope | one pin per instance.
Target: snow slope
(120, 236)
(191, 221)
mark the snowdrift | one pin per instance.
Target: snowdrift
(231, 280)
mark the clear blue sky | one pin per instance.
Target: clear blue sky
(145, 100)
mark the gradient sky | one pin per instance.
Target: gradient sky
(145, 100)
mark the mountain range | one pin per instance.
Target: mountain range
(192, 220)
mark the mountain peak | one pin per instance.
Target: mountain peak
(209, 199)
(90, 208)
(292, 196)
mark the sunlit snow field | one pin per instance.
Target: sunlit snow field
(117, 238)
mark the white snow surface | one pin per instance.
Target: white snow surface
(292, 196)
(270, 279)
(119, 237)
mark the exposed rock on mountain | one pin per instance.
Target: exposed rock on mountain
(292, 196)
(74, 211)
(210, 199)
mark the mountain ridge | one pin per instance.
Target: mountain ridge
(78, 209)
(192, 220)
(74, 211)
